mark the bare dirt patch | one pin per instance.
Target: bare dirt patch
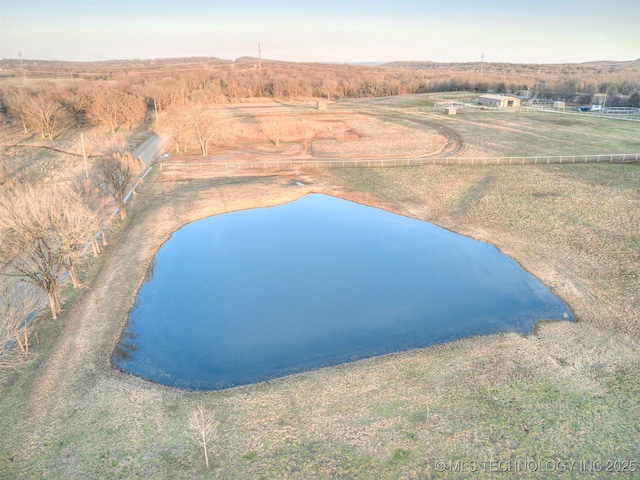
(332, 135)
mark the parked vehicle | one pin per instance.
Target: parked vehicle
(583, 109)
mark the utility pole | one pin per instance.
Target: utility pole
(24, 81)
(84, 154)
(481, 63)
(259, 57)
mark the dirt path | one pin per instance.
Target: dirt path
(453, 143)
(151, 148)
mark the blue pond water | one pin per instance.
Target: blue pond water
(258, 294)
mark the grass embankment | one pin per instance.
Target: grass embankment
(567, 392)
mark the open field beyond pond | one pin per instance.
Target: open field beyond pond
(413, 134)
(566, 393)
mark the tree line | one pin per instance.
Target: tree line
(45, 230)
(123, 102)
(48, 108)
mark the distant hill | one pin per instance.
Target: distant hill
(521, 68)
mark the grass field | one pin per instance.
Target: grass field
(482, 134)
(532, 405)
(535, 133)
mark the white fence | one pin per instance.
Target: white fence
(273, 111)
(212, 165)
(629, 114)
(615, 113)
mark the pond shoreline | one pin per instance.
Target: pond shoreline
(74, 406)
(195, 308)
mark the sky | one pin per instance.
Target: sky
(518, 31)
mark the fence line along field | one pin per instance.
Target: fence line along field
(198, 166)
(565, 391)
(401, 138)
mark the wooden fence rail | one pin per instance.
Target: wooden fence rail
(213, 165)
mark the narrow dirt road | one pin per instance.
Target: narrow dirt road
(151, 148)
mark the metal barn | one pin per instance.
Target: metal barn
(499, 101)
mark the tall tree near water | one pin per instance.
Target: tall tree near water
(36, 232)
(18, 301)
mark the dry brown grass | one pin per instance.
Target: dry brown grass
(567, 392)
(32, 160)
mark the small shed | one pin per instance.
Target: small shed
(450, 110)
(499, 101)
(320, 105)
(558, 104)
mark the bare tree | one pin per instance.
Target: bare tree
(78, 101)
(44, 113)
(134, 109)
(98, 206)
(76, 225)
(328, 86)
(17, 103)
(113, 107)
(205, 428)
(39, 109)
(115, 174)
(204, 126)
(106, 108)
(18, 301)
(33, 245)
(174, 122)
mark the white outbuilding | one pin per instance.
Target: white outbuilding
(499, 101)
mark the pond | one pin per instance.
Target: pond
(258, 294)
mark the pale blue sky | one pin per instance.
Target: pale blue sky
(521, 31)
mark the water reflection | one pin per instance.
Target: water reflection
(127, 347)
(152, 266)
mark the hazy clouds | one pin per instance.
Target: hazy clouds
(528, 31)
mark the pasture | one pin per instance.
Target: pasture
(567, 392)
